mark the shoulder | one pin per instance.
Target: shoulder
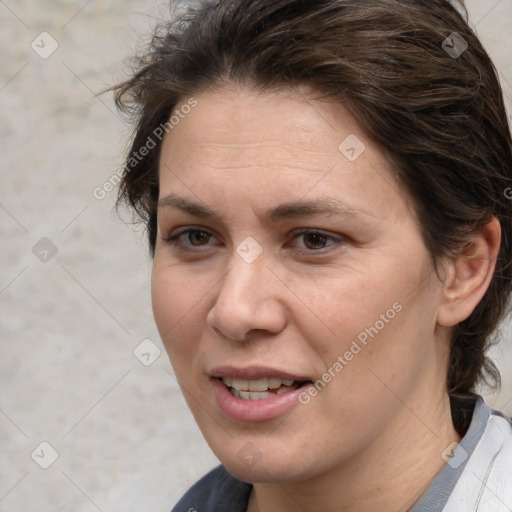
(486, 481)
(215, 492)
(478, 470)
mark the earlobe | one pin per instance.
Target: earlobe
(468, 276)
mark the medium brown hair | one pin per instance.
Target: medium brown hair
(438, 116)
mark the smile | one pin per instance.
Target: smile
(259, 389)
(256, 393)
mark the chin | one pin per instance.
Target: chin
(262, 472)
(250, 465)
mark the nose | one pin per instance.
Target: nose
(248, 301)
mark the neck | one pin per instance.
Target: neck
(389, 475)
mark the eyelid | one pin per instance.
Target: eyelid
(309, 231)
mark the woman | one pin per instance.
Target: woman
(323, 184)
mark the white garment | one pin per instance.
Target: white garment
(485, 484)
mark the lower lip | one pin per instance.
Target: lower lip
(254, 410)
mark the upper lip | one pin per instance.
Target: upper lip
(254, 373)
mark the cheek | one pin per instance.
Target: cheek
(343, 304)
(178, 308)
(363, 316)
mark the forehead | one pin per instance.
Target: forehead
(247, 144)
(235, 120)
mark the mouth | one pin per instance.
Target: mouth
(256, 393)
(260, 389)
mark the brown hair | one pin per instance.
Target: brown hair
(438, 115)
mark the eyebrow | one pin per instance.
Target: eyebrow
(290, 210)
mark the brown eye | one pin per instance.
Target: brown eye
(197, 237)
(311, 240)
(315, 240)
(190, 237)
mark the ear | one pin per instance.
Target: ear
(468, 276)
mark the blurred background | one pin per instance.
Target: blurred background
(91, 417)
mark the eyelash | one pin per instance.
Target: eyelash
(175, 239)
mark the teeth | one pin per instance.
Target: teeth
(258, 389)
(274, 383)
(283, 389)
(240, 384)
(247, 395)
(257, 384)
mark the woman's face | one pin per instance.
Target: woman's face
(287, 255)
